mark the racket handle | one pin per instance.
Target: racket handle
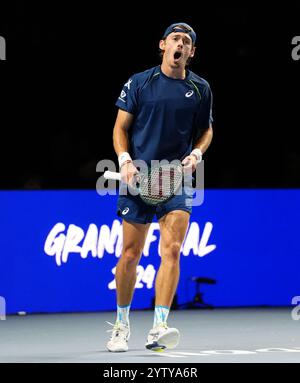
(112, 175)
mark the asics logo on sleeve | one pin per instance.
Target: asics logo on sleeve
(122, 96)
(189, 93)
(128, 83)
(125, 211)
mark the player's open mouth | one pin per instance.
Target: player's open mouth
(177, 55)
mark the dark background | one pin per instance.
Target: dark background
(65, 68)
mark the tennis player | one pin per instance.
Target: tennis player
(164, 113)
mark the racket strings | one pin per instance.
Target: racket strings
(161, 184)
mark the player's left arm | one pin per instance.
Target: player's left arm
(205, 140)
(200, 147)
(204, 131)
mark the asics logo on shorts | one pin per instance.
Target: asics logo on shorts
(125, 211)
(189, 93)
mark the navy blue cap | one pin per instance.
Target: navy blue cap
(181, 27)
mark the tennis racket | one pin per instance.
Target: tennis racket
(158, 184)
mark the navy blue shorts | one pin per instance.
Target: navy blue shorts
(133, 209)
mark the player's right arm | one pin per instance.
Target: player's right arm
(121, 145)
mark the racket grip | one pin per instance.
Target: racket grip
(112, 175)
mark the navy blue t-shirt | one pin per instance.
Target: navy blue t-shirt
(169, 114)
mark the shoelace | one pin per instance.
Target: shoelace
(111, 324)
(156, 328)
(115, 330)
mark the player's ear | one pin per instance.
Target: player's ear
(193, 52)
(162, 44)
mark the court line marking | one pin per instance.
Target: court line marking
(273, 350)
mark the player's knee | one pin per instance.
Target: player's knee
(132, 255)
(171, 252)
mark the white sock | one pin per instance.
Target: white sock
(160, 315)
(123, 314)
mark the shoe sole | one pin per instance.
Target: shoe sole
(155, 347)
(169, 340)
(117, 350)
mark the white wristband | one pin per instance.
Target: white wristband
(198, 154)
(124, 157)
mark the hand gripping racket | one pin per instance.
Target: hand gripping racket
(158, 185)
